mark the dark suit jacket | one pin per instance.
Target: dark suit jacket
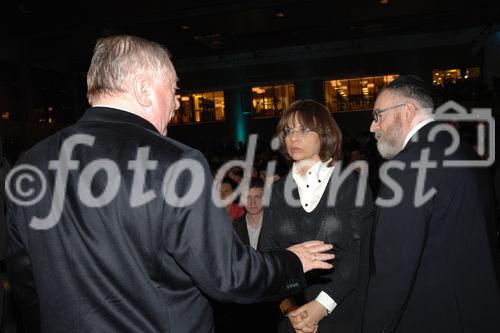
(147, 268)
(433, 264)
(240, 225)
(247, 318)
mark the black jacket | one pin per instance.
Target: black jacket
(247, 318)
(130, 266)
(343, 224)
(433, 264)
(240, 226)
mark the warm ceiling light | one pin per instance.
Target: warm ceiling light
(384, 2)
(280, 14)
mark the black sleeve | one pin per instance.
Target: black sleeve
(345, 277)
(20, 271)
(201, 239)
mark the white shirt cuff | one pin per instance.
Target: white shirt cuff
(326, 301)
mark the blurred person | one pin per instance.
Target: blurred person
(226, 189)
(249, 225)
(333, 300)
(433, 261)
(260, 317)
(129, 264)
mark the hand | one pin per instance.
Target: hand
(307, 317)
(311, 254)
(295, 320)
(308, 330)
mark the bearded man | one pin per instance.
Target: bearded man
(433, 264)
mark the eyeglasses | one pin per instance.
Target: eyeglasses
(301, 132)
(376, 113)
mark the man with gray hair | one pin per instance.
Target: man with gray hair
(433, 263)
(127, 237)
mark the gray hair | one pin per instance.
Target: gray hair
(118, 59)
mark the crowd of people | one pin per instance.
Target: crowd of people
(305, 249)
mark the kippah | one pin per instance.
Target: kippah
(411, 80)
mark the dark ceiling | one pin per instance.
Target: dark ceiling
(46, 30)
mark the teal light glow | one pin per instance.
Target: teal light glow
(241, 131)
(239, 120)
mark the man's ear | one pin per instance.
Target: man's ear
(142, 90)
(410, 110)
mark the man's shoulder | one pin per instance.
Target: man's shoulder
(435, 140)
(160, 147)
(240, 222)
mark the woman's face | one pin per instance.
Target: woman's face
(302, 143)
(225, 190)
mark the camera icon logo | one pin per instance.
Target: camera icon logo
(451, 111)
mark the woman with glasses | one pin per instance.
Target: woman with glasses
(301, 210)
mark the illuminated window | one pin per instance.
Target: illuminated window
(354, 93)
(268, 101)
(200, 107)
(440, 77)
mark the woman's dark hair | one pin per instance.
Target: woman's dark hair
(229, 181)
(315, 116)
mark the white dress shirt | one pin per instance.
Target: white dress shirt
(415, 129)
(311, 187)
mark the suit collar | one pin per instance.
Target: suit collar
(419, 136)
(117, 116)
(415, 129)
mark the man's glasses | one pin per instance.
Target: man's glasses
(376, 113)
(301, 132)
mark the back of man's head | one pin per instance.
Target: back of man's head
(412, 87)
(118, 59)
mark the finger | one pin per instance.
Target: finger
(320, 265)
(294, 321)
(304, 325)
(323, 256)
(300, 312)
(308, 329)
(296, 324)
(312, 243)
(320, 248)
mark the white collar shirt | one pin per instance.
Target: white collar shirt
(312, 186)
(415, 130)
